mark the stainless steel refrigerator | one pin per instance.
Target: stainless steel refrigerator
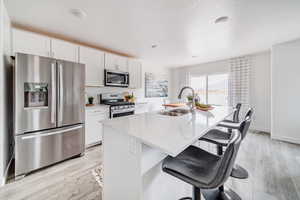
(48, 111)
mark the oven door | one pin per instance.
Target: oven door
(121, 113)
(116, 78)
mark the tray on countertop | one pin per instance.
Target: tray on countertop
(174, 105)
(205, 109)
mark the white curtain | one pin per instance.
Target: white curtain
(239, 82)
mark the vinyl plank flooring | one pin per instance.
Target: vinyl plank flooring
(273, 173)
(71, 179)
(273, 166)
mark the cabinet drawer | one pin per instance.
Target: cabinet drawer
(37, 150)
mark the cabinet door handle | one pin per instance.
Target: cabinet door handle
(43, 134)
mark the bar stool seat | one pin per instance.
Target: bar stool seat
(204, 170)
(221, 138)
(229, 124)
(194, 166)
(229, 120)
(217, 137)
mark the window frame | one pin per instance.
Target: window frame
(206, 82)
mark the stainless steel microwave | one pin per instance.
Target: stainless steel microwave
(116, 78)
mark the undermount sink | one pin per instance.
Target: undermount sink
(175, 112)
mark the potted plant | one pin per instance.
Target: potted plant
(129, 98)
(91, 100)
(190, 98)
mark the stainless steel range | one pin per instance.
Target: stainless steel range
(48, 111)
(117, 106)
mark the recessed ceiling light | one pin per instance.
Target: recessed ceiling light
(153, 46)
(78, 13)
(221, 19)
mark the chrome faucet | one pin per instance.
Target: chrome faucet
(192, 106)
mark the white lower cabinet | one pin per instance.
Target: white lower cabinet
(93, 128)
(141, 108)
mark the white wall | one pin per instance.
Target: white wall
(260, 85)
(5, 99)
(154, 103)
(260, 91)
(286, 91)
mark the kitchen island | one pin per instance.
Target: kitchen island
(134, 147)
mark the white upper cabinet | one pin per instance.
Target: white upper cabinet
(135, 74)
(115, 62)
(30, 43)
(64, 50)
(94, 65)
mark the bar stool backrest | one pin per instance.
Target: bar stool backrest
(244, 127)
(227, 160)
(237, 113)
(249, 113)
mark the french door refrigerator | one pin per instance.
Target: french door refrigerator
(48, 111)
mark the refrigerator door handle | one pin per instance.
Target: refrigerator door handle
(61, 91)
(41, 134)
(53, 93)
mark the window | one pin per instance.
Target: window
(199, 85)
(212, 89)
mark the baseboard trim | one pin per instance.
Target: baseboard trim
(285, 139)
(260, 129)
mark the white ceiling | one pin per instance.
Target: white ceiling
(181, 28)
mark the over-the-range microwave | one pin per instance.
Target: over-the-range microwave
(116, 78)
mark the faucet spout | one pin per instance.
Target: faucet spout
(192, 105)
(184, 88)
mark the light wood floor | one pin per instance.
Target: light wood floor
(274, 169)
(273, 166)
(72, 179)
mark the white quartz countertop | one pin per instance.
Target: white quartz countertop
(170, 134)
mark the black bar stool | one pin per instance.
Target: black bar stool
(235, 125)
(235, 117)
(238, 171)
(202, 169)
(236, 114)
(221, 138)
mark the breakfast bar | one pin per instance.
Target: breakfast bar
(134, 147)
